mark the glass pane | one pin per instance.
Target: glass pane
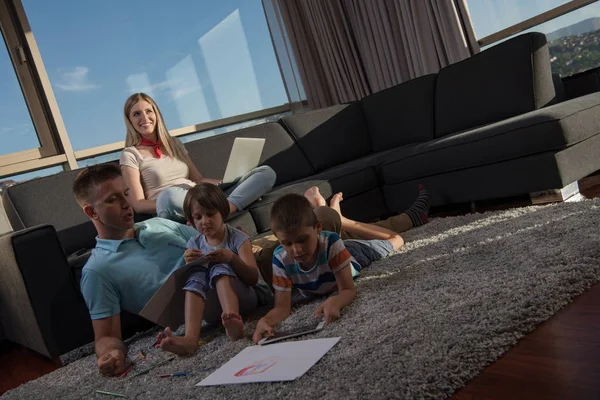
(16, 131)
(573, 40)
(490, 16)
(200, 60)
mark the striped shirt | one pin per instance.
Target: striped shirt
(320, 279)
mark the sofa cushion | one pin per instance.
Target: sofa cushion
(551, 128)
(210, 155)
(508, 79)
(46, 200)
(330, 136)
(401, 114)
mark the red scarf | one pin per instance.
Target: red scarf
(156, 145)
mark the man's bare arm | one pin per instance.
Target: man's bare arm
(110, 349)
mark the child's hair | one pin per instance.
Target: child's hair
(208, 197)
(92, 176)
(291, 212)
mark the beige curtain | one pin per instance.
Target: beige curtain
(345, 50)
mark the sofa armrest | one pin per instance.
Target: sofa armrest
(41, 306)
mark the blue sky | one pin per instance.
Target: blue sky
(489, 16)
(200, 59)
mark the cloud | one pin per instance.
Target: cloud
(75, 80)
(174, 88)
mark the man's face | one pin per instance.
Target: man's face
(108, 205)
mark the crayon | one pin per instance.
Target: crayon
(110, 393)
(175, 374)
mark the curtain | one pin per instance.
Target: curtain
(344, 50)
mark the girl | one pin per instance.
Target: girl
(159, 172)
(231, 270)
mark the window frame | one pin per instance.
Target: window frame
(533, 21)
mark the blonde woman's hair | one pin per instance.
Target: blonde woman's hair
(173, 147)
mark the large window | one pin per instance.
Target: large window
(573, 38)
(200, 60)
(490, 16)
(16, 132)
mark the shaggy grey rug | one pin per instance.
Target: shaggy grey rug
(460, 294)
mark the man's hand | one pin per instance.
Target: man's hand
(112, 363)
(191, 255)
(261, 328)
(330, 308)
(223, 256)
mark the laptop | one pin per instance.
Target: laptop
(245, 156)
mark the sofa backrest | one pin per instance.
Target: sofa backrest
(506, 80)
(49, 200)
(401, 114)
(281, 152)
(330, 136)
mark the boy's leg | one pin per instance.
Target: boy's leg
(367, 251)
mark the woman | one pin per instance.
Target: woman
(159, 172)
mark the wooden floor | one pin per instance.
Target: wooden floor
(559, 360)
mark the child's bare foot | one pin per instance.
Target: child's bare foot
(179, 345)
(314, 197)
(234, 326)
(335, 202)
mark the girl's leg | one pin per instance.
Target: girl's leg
(250, 187)
(184, 345)
(232, 321)
(169, 204)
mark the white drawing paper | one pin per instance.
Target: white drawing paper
(273, 363)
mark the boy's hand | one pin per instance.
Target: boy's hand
(112, 363)
(220, 256)
(330, 308)
(191, 255)
(261, 328)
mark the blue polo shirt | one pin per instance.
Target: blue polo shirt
(125, 274)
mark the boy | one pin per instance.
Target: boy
(317, 262)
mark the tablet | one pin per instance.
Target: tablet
(303, 330)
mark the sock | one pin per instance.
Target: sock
(420, 208)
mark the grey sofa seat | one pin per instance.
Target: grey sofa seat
(550, 128)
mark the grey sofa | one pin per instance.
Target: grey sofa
(490, 126)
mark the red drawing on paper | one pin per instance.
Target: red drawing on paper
(257, 367)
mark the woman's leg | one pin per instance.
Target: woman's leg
(250, 187)
(169, 203)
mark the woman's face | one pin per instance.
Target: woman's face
(143, 119)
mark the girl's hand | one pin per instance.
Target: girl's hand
(191, 255)
(223, 256)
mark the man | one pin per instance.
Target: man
(129, 263)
